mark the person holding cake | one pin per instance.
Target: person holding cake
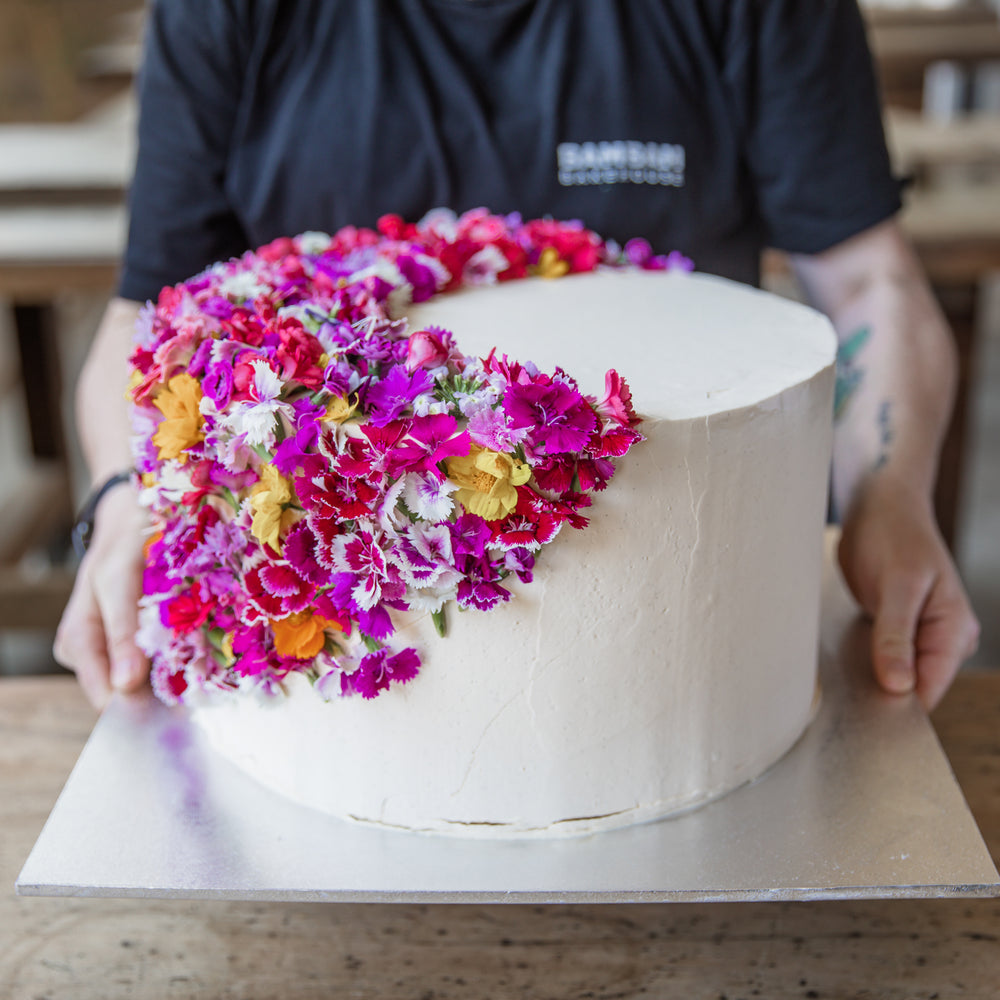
(712, 129)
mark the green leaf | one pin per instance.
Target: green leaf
(439, 623)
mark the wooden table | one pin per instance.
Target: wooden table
(88, 949)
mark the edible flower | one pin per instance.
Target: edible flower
(301, 635)
(268, 500)
(313, 466)
(182, 425)
(487, 481)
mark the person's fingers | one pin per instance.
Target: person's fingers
(893, 650)
(80, 645)
(947, 635)
(118, 600)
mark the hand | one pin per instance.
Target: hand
(900, 571)
(96, 636)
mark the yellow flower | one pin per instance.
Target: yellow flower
(339, 409)
(550, 264)
(268, 499)
(487, 481)
(181, 426)
(301, 635)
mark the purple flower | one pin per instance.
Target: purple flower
(296, 451)
(217, 306)
(481, 588)
(387, 399)
(491, 428)
(376, 623)
(424, 556)
(337, 378)
(469, 536)
(563, 419)
(218, 384)
(420, 276)
(521, 562)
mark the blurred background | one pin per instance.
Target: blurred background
(66, 148)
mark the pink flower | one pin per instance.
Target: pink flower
(617, 402)
(428, 348)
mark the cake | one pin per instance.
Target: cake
(648, 663)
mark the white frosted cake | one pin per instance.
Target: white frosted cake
(659, 658)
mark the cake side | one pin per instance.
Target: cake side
(659, 659)
(320, 457)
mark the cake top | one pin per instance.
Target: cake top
(312, 461)
(692, 344)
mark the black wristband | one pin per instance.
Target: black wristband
(83, 529)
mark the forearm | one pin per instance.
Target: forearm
(896, 368)
(96, 637)
(101, 408)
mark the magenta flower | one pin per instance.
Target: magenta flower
(429, 440)
(560, 418)
(251, 651)
(378, 670)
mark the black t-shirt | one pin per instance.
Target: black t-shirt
(714, 127)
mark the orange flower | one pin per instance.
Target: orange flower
(301, 635)
(182, 422)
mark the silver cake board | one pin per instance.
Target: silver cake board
(864, 805)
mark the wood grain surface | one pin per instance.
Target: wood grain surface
(85, 949)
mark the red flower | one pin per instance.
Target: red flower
(187, 611)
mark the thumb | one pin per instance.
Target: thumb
(893, 654)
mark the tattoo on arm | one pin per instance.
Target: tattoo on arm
(849, 372)
(885, 433)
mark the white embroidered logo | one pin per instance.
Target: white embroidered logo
(620, 162)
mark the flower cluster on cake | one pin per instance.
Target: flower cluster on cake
(311, 464)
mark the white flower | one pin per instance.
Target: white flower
(153, 636)
(314, 242)
(388, 516)
(242, 285)
(440, 222)
(255, 420)
(428, 497)
(427, 403)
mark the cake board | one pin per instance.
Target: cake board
(864, 805)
